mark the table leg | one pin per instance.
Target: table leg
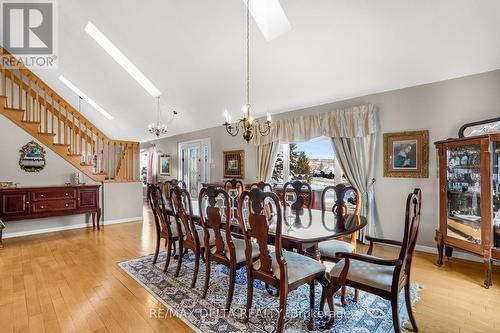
(313, 252)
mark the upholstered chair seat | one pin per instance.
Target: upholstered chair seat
(239, 249)
(298, 265)
(211, 235)
(368, 274)
(175, 233)
(332, 247)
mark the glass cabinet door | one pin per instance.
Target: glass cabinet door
(495, 175)
(464, 193)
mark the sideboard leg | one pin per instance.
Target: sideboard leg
(1, 239)
(93, 220)
(99, 219)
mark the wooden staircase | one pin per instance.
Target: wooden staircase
(32, 105)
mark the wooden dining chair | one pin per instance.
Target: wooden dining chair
(193, 238)
(237, 185)
(328, 250)
(303, 194)
(281, 269)
(164, 228)
(234, 183)
(382, 277)
(228, 251)
(343, 194)
(263, 186)
(170, 184)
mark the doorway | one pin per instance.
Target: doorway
(194, 164)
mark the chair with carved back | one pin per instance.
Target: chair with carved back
(284, 270)
(382, 277)
(237, 185)
(193, 238)
(227, 250)
(303, 194)
(328, 249)
(170, 184)
(164, 228)
(234, 184)
(263, 186)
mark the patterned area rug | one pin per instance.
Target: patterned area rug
(370, 314)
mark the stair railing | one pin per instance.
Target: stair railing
(114, 159)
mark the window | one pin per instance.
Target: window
(312, 161)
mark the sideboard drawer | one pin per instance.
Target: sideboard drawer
(53, 205)
(53, 194)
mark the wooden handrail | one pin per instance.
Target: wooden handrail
(50, 90)
(41, 105)
(51, 108)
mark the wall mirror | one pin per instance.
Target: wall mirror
(32, 157)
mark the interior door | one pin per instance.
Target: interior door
(193, 165)
(194, 176)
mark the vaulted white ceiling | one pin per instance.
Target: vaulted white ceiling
(194, 52)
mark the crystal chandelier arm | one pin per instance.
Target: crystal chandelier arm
(264, 129)
(232, 130)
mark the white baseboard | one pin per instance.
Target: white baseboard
(66, 227)
(129, 219)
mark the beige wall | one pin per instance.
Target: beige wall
(440, 107)
(121, 201)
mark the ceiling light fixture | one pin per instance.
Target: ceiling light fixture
(85, 97)
(270, 18)
(160, 128)
(247, 123)
(121, 59)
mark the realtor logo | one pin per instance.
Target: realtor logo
(29, 32)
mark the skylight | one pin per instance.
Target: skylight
(270, 17)
(121, 59)
(85, 97)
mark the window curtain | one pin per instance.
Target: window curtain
(353, 134)
(356, 121)
(356, 157)
(266, 157)
(152, 165)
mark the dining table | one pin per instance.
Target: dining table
(302, 230)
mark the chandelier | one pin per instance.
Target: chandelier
(247, 124)
(159, 128)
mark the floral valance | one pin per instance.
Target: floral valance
(357, 121)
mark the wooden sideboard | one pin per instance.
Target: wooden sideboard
(23, 203)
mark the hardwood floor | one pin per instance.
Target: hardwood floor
(69, 282)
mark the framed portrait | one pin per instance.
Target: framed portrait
(234, 164)
(406, 154)
(165, 165)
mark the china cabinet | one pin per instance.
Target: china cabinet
(470, 198)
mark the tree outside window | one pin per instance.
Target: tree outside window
(313, 162)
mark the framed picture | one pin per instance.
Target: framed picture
(165, 165)
(234, 164)
(406, 154)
